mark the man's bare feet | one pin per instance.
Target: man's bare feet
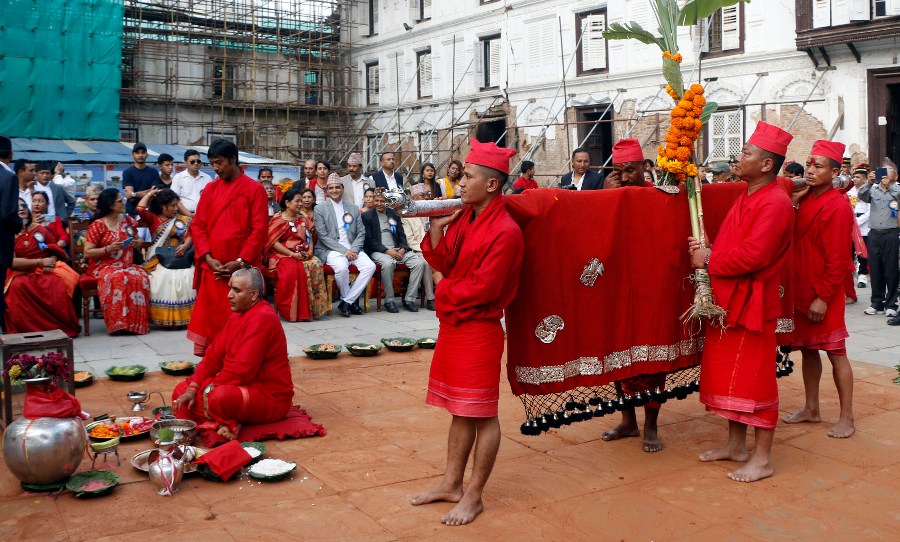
(726, 453)
(652, 442)
(803, 416)
(752, 471)
(464, 512)
(842, 429)
(226, 433)
(621, 431)
(438, 494)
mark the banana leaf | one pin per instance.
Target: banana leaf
(696, 10)
(708, 110)
(632, 30)
(672, 73)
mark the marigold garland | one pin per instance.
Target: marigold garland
(675, 155)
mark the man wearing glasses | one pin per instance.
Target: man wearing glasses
(188, 184)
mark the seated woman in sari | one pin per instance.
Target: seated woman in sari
(39, 286)
(124, 288)
(172, 293)
(39, 205)
(300, 290)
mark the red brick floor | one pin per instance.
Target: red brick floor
(384, 444)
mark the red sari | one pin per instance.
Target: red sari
(300, 290)
(248, 366)
(822, 252)
(39, 301)
(231, 222)
(480, 259)
(737, 373)
(123, 288)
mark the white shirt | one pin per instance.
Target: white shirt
(319, 191)
(189, 188)
(577, 184)
(861, 209)
(26, 196)
(339, 216)
(391, 180)
(51, 208)
(359, 190)
(67, 182)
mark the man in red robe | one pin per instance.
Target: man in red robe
(229, 230)
(245, 376)
(822, 249)
(737, 376)
(476, 276)
(628, 170)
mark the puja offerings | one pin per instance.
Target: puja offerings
(46, 445)
(167, 464)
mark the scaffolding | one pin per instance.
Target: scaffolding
(272, 75)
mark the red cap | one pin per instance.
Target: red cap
(490, 155)
(828, 149)
(627, 150)
(771, 138)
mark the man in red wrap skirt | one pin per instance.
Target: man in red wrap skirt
(476, 276)
(822, 248)
(737, 373)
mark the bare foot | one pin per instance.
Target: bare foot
(464, 512)
(226, 433)
(438, 494)
(803, 416)
(621, 431)
(842, 429)
(725, 453)
(752, 471)
(652, 443)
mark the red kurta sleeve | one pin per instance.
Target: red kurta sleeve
(758, 248)
(214, 356)
(835, 224)
(255, 245)
(245, 352)
(435, 256)
(502, 253)
(200, 223)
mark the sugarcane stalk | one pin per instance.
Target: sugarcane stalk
(704, 305)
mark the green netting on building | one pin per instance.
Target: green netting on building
(60, 68)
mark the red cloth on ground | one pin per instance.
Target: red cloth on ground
(249, 367)
(225, 460)
(38, 301)
(823, 248)
(296, 424)
(737, 377)
(480, 260)
(123, 288)
(231, 222)
(625, 325)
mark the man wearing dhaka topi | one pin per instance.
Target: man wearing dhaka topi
(229, 229)
(737, 373)
(476, 276)
(822, 256)
(245, 376)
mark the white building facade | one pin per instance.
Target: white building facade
(538, 76)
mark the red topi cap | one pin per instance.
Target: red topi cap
(490, 155)
(771, 138)
(828, 149)
(627, 150)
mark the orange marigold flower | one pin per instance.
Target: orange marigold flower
(691, 170)
(698, 125)
(685, 141)
(677, 58)
(685, 104)
(671, 138)
(698, 111)
(699, 100)
(683, 153)
(697, 88)
(688, 95)
(677, 112)
(670, 153)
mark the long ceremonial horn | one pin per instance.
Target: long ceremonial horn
(405, 206)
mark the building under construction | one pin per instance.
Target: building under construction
(269, 74)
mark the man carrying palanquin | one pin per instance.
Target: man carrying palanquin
(245, 376)
(737, 377)
(476, 276)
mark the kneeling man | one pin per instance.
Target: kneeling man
(244, 376)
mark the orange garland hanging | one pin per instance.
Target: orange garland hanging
(675, 156)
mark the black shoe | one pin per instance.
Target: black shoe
(355, 308)
(410, 306)
(894, 320)
(429, 304)
(344, 309)
(391, 307)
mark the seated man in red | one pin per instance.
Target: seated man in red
(244, 376)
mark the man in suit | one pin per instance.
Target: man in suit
(10, 223)
(341, 238)
(309, 175)
(387, 178)
(355, 183)
(59, 203)
(582, 176)
(386, 243)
